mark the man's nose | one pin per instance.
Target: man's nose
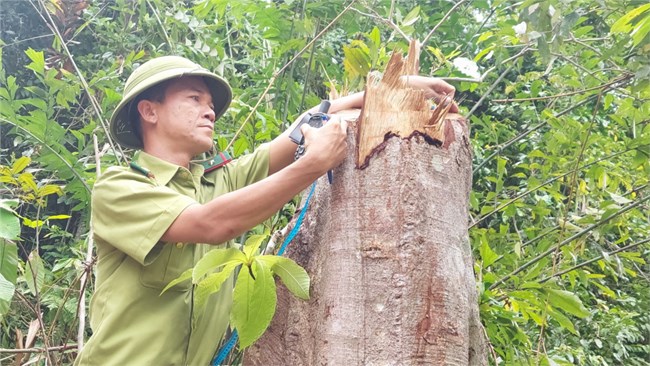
(209, 114)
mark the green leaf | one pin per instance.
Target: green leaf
(487, 255)
(6, 289)
(622, 25)
(564, 322)
(20, 164)
(8, 261)
(253, 244)
(375, 37)
(6, 293)
(183, 277)
(641, 30)
(38, 61)
(9, 224)
(58, 217)
(411, 17)
(49, 189)
(254, 303)
(568, 302)
(294, 277)
(34, 272)
(211, 284)
(215, 259)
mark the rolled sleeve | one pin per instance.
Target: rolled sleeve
(131, 212)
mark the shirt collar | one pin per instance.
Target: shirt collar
(162, 170)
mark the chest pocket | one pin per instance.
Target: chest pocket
(173, 260)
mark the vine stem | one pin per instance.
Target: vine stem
(162, 26)
(558, 95)
(38, 349)
(547, 182)
(96, 107)
(386, 21)
(586, 263)
(275, 74)
(567, 241)
(81, 309)
(572, 195)
(542, 124)
(426, 39)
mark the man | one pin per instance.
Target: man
(149, 218)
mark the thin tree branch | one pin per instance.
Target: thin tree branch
(428, 36)
(386, 21)
(162, 27)
(559, 95)
(39, 349)
(275, 74)
(98, 110)
(586, 263)
(547, 182)
(567, 241)
(480, 101)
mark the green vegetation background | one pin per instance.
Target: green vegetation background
(557, 93)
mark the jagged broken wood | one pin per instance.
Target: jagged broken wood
(387, 245)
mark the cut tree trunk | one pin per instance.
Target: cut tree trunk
(386, 245)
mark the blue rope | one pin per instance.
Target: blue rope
(225, 350)
(295, 229)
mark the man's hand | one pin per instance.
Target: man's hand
(326, 147)
(434, 88)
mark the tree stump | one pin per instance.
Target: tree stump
(386, 245)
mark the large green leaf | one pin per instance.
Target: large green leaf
(564, 322)
(292, 275)
(623, 24)
(214, 259)
(209, 285)
(253, 243)
(6, 293)
(9, 225)
(182, 278)
(254, 301)
(568, 302)
(34, 272)
(8, 260)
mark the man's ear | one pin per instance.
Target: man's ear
(148, 111)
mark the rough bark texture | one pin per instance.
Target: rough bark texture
(388, 252)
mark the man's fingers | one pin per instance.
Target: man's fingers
(304, 128)
(344, 125)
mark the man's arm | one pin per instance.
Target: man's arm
(231, 214)
(282, 148)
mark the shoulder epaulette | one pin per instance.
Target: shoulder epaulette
(217, 161)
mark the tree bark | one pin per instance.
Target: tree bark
(386, 245)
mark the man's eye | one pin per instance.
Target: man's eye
(195, 97)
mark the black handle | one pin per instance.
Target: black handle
(314, 120)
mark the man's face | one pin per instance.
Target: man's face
(186, 115)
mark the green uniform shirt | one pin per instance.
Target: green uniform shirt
(132, 323)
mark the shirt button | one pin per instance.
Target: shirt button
(179, 245)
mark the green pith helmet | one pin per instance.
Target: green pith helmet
(148, 75)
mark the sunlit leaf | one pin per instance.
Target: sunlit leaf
(294, 277)
(254, 303)
(568, 302)
(215, 259)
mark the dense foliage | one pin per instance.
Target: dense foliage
(557, 93)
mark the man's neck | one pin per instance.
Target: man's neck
(177, 158)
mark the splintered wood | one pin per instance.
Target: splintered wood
(392, 108)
